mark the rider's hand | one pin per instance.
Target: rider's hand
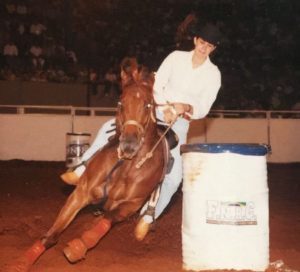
(182, 108)
(172, 111)
(169, 115)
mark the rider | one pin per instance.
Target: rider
(186, 85)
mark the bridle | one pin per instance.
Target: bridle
(140, 127)
(134, 123)
(143, 130)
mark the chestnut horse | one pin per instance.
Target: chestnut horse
(121, 175)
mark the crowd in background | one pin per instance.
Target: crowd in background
(84, 41)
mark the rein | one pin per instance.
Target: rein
(143, 129)
(150, 153)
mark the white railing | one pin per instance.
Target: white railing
(29, 109)
(38, 132)
(96, 111)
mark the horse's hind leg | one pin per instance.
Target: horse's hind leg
(75, 202)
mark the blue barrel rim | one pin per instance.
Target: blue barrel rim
(251, 149)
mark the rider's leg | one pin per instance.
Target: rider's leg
(170, 183)
(101, 140)
(106, 131)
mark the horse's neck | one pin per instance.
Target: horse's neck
(151, 135)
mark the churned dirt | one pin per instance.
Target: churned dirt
(31, 194)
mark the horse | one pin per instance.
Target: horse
(122, 175)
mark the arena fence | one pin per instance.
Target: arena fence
(39, 132)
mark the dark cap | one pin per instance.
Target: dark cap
(208, 32)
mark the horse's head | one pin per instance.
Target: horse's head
(135, 108)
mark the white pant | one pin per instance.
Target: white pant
(171, 181)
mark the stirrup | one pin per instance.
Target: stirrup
(150, 211)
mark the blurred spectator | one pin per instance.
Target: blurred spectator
(37, 59)
(71, 56)
(92, 85)
(21, 9)
(258, 57)
(110, 83)
(49, 50)
(37, 28)
(10, 53)
(11, 8)
(21, 29)
(60, 54)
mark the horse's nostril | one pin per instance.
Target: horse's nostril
(129, 144)
(131, 139)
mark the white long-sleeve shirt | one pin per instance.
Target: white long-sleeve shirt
(177, 81)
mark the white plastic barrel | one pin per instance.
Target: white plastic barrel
(225, 207)
(76, 145)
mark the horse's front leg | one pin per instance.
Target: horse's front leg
(77, 248)
(116, 211)
(75, 202)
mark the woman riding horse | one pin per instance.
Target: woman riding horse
(118, 175)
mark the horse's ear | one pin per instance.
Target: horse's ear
(124, 76)
(129, 69)
(151, 78)
(145, 76)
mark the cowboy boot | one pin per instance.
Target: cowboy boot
(141, 230)
(70, 177)
(146, 221)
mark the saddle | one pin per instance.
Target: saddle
(171, 136)
(170, 141)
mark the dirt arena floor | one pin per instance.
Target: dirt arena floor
(31, 195)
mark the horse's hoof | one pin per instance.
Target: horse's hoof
(24, 263)
(20, 265)
(70, 178)
(34, 252)
(141, 229)
(75, 251)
